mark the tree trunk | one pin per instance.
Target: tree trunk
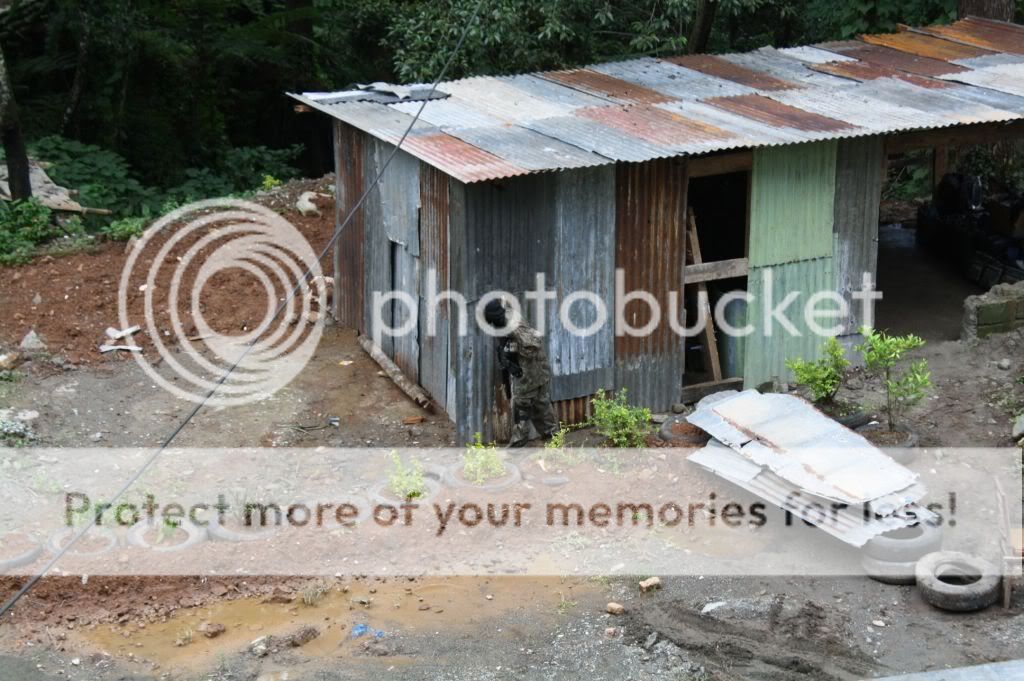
(80, 73)
(701, 31)
(1001, 10)
(13, 141)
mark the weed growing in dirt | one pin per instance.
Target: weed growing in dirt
(903, 389)
(823, 377)
(167, 530)
(312, 594)
(481, 462)
(125, 228)
(9, 376)
(15, 433)
(185, 637)
(406, 482)
(269, 182)
(622, 424)
(564, 604)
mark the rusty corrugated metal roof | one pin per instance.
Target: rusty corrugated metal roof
(492, 127)
(992, 35)
(925, 46)
(722, 68)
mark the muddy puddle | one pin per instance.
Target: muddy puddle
(346, 616)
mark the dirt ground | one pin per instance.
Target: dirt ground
(109, 629)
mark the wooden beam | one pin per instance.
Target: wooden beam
(714, 271)
(980, 133)
(712, 361)
(720, 164)
(415, 392)
(698, 391)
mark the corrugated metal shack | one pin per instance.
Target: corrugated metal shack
(576, 173)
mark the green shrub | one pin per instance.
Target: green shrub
(824, 376)
(23, 226)
(622, 424)
(903, 389)
(406, 482)
(269, 182)
(481, 462)
(125, 228)
(102, 177)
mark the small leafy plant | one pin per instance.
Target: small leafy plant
(406, 481)
(269, 182)
(823, 377)
(125, 228)
(167, 531)
(622, 424)
(481, 462)
(903, 388)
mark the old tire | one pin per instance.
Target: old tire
(902, 451)
(906, 544)
(978, 588)
(668, 433)
(56, 541)
(887, 572)
(511, 478)
(854, 420)
(22, 560)
(137, 536)
(220, 533)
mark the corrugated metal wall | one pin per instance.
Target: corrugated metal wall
(500, 236)
(348, 250)
(583, 248)
(860, 168)
(792, 212)
(766, 353)
(391, 246)
(434, 354)
(650, 216)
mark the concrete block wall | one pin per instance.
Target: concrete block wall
(998, 311)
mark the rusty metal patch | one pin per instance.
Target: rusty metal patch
(925, 45)
(457, 158)
(886, 56)
(862, 70)
(992, 35)
(776, 113)
(656, 125)
(606, 86)
(720, 68)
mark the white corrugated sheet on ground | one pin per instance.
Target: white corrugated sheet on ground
(782, 449)
(803, 446)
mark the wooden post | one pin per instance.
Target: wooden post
(704, 305)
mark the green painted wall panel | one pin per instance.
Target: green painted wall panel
(791, 203)
(770, 345)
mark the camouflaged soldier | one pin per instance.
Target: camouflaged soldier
(521, 354)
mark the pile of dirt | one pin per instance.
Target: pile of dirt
(70, 301)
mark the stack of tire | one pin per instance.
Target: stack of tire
(949, 580)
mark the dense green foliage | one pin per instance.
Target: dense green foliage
(175, 86)
(141, 104)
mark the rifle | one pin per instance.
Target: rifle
(508, 362)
